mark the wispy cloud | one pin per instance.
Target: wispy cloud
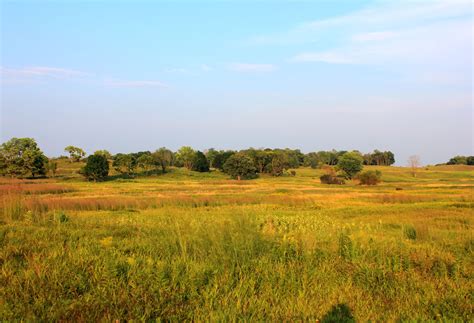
(38, 73)
(246, 67)
(206, 68)
(376, 19)
(134, 83)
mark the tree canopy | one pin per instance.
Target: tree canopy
(21, 157)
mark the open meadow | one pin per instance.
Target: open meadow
(194, 246)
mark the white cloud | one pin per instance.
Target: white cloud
(134, 83)
(246, 67)
(37, 73)
(373, 36)
(375, 20)
(206, 68)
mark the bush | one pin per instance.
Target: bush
(370, 177)
(331, 179)
(240, 166)
(96, 169)
(350, 164)
(200, 163)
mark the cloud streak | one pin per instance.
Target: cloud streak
(38, 74)
(135, 83)
(246, 67)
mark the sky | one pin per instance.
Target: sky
(129, 76)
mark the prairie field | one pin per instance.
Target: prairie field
(199, 246)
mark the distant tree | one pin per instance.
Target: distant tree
(104, 153)
(211, 155)
(470, 160)
(75, 153)
(125, 163)
(20, 157)
(40, 163)
(200, 163)
(370, 177)
(96, 168)
(278, 164)
(221, 158)
(458, 160)
(52, 167)
(311, 160)
(414, 163)
(163, 158)
(145, 162)
(240, 166)
(350, 164)
(186, 155)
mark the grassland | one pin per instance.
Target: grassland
(190, 246)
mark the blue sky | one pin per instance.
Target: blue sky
(130, 76)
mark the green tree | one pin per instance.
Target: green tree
(75, 153)
(104, 153)
(211, 155)
(52, 167)
(278, 163)
(200, 162)
(96, 168)
(470, 160)
(221, 158)
(145, 162)
(125, 163)
(186, 155)
(350, 164)
(163, 158)
(458, 160)
(20, 157)
(240, 166)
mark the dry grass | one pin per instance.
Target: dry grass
(188, 246)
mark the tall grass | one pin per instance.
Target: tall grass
(285, 249)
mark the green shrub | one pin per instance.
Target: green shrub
(331, 179)
(370, 177)
(97, 168)
(410, 233)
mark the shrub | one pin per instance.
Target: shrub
(370, 177)
(97, 168)
(410, 233)
(240, 166)
(331, 179)
(200, 163)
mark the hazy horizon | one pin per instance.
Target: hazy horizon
(340, 75)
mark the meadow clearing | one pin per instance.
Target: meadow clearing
(198, 246)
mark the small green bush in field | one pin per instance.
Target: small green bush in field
(370, 177)
(331, 179)
(346, 247)
(63, 218)
(410, 233)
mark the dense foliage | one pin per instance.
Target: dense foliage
(96, 168)
(240, 166)
(461, 160)
(370, 177)
(20, 157)
(350, 164)
(200, 162)
(75, 153)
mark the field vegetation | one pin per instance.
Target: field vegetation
(186, 245)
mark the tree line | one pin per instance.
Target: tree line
(461, 160)
(21, 157)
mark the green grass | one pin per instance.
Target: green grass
(189, 246)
